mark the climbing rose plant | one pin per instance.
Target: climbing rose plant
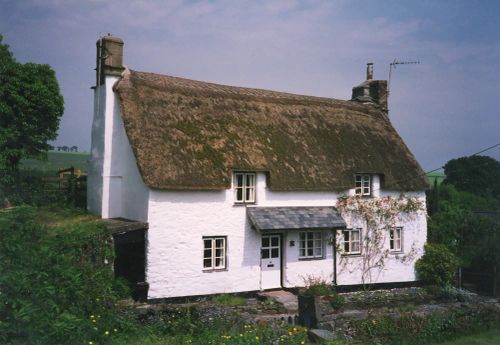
(377, 215)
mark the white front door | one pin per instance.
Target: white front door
(270, 262)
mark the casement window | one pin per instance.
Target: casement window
(244, 187)
(363, 185)
(396, 239)
(310, 244)
(214, 253)
(352, 241)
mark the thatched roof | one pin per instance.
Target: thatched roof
(188, 134)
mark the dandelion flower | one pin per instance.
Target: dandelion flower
(256, 337)
(115, 330)
(93, 320)
(91, 342)
(106, 333)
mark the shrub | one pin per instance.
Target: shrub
(316, 286)
(422, 329)
(451, 293)
(337, 301)
(56, 284)
(438, 265)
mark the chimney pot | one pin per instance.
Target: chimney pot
(369, 71)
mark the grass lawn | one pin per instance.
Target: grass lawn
(490, 337)
(57, 160)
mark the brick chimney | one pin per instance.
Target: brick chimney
(109, 57)
(371, 91)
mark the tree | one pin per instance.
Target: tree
(30, 109)
(475, 174)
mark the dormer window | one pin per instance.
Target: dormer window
(244, 187)
(363, 186)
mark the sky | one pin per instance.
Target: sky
(445, 107)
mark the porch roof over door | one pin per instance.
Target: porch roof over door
(295, 218)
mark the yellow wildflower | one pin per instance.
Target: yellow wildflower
(256, 337)
(106, 333)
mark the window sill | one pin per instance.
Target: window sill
(396, 253)
(210, 270)
(244, 203)
(311, 259)
(353, 255)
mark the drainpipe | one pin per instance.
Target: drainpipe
(334, 250)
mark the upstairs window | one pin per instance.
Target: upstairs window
(214, 253)
(244, 187)
(352, 241)
(363, 185)
(395, 240)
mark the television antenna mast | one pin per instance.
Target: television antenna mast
(393, 65)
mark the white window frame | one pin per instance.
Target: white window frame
(248, 187)
(363, 185)
(317, 244)
(215, 262)
(350, 241)
(395, 238)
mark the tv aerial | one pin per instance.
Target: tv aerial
(393, 65)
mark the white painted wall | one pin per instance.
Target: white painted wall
(115, 187)
(179, 219)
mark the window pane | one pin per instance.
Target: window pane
(355, 247)
(317, 251)
(250, 180)
(207, 253)
(275, 253)
(346, 236)
(391, 244)
(346, 247)
(302, 252)
(265, 253)
(275, 241)
(265, 241)
(218, 262)
(302, 236)
(310, 244)
(355, 235)
(249, 194)
(207, 263)
(219, 243)
(218, 253)
(207, 244)
(239, 194)
(317, 243)
(310, 251)
(239, 180)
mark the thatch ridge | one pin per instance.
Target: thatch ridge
(188, 134)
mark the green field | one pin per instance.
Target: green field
(57, 160)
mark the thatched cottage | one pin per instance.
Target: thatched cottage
(234, 189)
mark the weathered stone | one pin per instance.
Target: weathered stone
(319, 335)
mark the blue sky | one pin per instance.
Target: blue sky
(445, 107)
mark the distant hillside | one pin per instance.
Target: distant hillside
(57, 160)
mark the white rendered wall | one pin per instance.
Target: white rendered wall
(178, 220)
(115, 187)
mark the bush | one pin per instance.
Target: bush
(417, 329)
(437, 266)
(450, 293)
(337, 301)
(317, 287)
(56, 284)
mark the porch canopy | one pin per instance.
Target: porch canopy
(295, 218)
